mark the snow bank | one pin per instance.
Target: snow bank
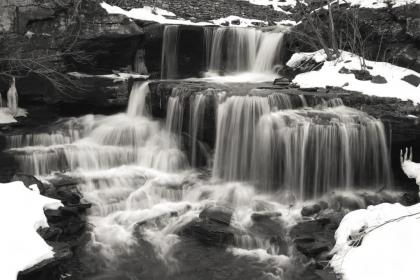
(150, 14)
(389, 245)
(329, 75)
(21, 214)
(410, 168)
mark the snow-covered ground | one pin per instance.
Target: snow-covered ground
(148, 13)
(381, 242)
(161, 16)
(374, 4)
(388, 239)
(329, 75)
(21, 214)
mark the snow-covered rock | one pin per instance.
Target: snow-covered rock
(378, 243)
(22, 213)
(330, 75)
(148, 13)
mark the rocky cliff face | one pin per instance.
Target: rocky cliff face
(65, 36)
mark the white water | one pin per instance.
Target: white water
(238, 50)
(169, 64)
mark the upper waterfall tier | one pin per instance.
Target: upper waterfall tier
(224, 51)
(235, 50)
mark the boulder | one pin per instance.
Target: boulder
(378, 79)
(310, 210)
(209, 232)
(217, 214)
(412, 79)
(316, 238)
(362, 75)
(281, 82)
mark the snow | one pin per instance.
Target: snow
(161, 16)
(21, 214)
(378, 4)
(116, 77)
(389, 248)
(410, 168)
(286, 22)
(373, 4)
(328, 75)
(148, 13)
(239, 21)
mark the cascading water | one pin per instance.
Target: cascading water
(169, 64)
(235, 50)
(307, 152)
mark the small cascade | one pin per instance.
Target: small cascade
(175, 114)
(235, 50)
(12, 98)
(268, 51)
(169, 64)
(107, 142)
(208, 41)
(237, 121)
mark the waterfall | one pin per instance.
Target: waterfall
(169, 64)
(267, 52)
(307, 152)
(237, 121)
(12, 98)
(236, 50)
(208, 41)
(137, 102)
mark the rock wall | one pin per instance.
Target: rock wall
(65, 36)
(199, 10)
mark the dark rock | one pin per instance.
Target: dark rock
(409, 198)
(260, 216)
(344, 70)
(324, 205)
(412, 80)
(281, 82)
(362, 75)
(378, 79)
(310, 210)
(312, 238)
(217, 214)
(209, 233)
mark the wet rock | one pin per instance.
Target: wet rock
(409, 198)
(412, 80)
(281, 82)
(313, 238)
(209, 232)
(217, 214)
(362, 75)
(310, 210)
(378, 79)
(261, 216)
